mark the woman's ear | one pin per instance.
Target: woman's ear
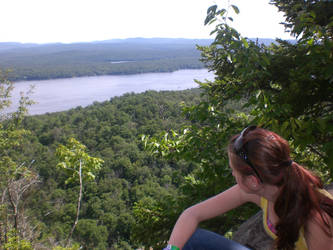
(253, 182)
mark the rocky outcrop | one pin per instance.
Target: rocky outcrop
(252, 233)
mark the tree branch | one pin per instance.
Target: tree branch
(78, 206)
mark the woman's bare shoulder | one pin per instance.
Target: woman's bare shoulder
(315, 235)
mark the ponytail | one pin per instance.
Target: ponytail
(297, 202)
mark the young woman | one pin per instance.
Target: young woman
(298, 213)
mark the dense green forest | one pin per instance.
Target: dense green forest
(159, 156)
(111, 130)
(129, 56)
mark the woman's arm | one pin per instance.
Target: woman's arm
(217, 205)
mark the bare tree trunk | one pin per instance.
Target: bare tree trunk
(3, 196)
(3, 224)
(14, 203)
(78, 207)
(6, 225)
(15, 191)
(4, 215)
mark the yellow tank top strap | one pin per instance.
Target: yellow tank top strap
(325, 192)
(263, 205)
(300, 244)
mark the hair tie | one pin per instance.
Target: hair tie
(287, 163)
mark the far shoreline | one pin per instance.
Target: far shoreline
(63, 94)
(97, 75)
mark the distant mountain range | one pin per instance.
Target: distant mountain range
(30, 61)
(161, 41)
(16, 45)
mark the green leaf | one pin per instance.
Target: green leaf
(235, 8)
(221, 12)
(212, 9)
(245, 43)
(210, 19)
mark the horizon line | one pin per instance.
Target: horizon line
(130, 38)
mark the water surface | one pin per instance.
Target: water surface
(63, 94)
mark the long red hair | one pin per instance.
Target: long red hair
(299, 198)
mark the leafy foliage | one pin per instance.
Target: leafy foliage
(79, 166)
(75, 161)
(136, 197)
(15, 243)
(16, 178)
(111, 131)
(288, 86)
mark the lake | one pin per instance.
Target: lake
(63, 94)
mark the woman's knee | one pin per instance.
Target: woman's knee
(194, 241)
(206, 240)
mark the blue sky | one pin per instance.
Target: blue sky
(67, 21)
